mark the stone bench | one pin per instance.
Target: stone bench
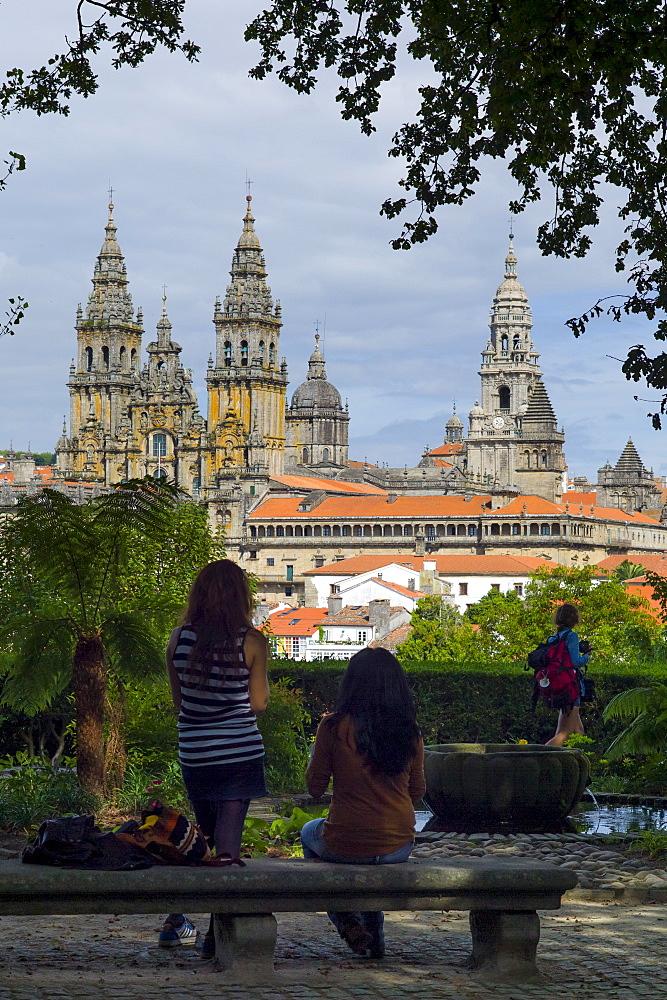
(502, 895)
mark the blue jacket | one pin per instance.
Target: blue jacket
(572, 643)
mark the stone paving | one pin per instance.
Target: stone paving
(597, 862)
(588, 950)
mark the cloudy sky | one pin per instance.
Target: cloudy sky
(404, 331)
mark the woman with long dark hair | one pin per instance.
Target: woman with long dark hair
(565, 618)
(216, 663)
(372, 746)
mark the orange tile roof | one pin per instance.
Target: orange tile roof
(449, 448)
(361, 465)
(330, 485)
(398, 589)
(455, 565)
(370, 506)
(296, 621)
(434, 507)
(393, 639)
(652, 561)
(573, 496)
(441, 464)
(639, 589)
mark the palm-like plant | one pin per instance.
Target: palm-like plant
(646, 707)
(76, 614)
(629, 570)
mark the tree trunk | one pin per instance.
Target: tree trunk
(115, 754)
(89, 677)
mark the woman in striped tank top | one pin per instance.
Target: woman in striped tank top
(217, 671)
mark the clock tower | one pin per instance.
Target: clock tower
(513, 441)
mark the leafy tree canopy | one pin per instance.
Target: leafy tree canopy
(571, 94)
(440, 633)
(616, 622)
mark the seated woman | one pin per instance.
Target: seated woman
(372, 746)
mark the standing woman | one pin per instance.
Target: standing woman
(373, 748)
(569, 720)
(217, 671)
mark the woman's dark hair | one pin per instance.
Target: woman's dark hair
(375, 692)
(219, 607)
(566, 616)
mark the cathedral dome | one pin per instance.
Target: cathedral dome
(454, 421)
(477, 410)
(510, 290)
(316, 391)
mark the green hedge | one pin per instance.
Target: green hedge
(475, 703)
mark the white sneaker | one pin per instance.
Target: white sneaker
(171, 937)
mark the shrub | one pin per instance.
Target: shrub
(283, 729)
(32, 791)
(475, 702)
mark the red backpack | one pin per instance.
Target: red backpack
(556, 680)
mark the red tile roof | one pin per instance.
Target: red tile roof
(398, 589)
(296, 621)
(361, 465)
(370, 506)
(308, 483)
(454, 565)
(573, 496)
(654, 562)
(449, 448)
(393, 639)
(639, 589)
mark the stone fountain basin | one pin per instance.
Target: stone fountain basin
(490, 786)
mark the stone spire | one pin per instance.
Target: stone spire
(248, 296)
(539, 411)
(630, 462)
(316, 367)
(164, 326)
(110, 300)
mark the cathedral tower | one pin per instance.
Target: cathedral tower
(247, 383)
(317, 422)
(106, 370)
(513, 439)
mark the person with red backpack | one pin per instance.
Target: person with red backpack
(564, 673)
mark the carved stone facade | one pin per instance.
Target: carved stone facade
(127, 420)
(628, 485)
(513, 441)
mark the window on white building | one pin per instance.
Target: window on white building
(463, 589)
(361, 636)
(519, 589)
(495, 586)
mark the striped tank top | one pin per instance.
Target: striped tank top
(216, 724)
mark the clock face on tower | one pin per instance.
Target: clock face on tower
(498, 423)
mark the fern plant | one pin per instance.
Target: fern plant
(646, 733)
(68, 611)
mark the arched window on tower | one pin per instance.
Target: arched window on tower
(504, 398)
(304, 456)
(105, 358)
(272, 354)
(133, 358)
(159, 445)
(261, 351)
(503, 343)
(516, 342)
(325, 455)
(123, 358)
(244, 353)
(160, 473)
(228, 354)
(544, 458)
(89, 359)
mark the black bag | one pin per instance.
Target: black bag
(588, 688)
(76, 842)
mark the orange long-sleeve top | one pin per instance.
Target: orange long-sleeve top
(371, 813)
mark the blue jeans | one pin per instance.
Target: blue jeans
(314, 847)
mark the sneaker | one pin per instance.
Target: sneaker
(356, 936)
(205, 945)
(171, 937)
(376, 950)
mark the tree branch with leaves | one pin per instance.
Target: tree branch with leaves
(571, 95)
